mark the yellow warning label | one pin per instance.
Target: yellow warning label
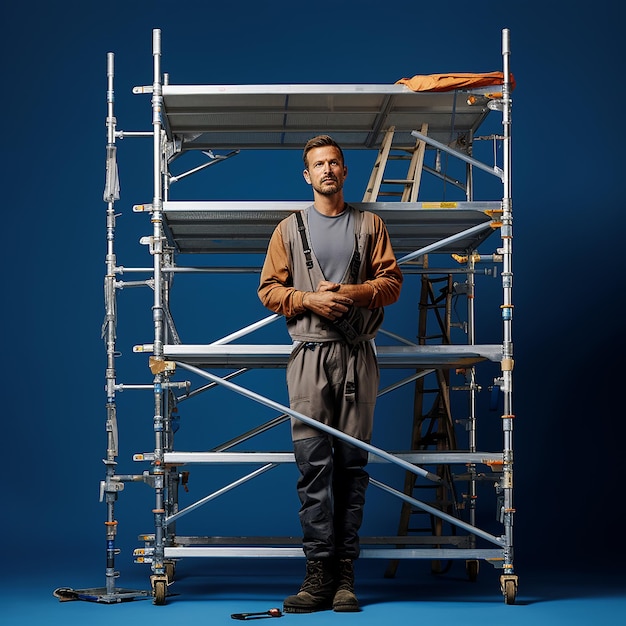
(438, 205)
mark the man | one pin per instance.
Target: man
(330, 270)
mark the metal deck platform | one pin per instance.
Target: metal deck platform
(271, 356)
(214, 117)
(245, 227)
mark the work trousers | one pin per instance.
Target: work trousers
(335, 384)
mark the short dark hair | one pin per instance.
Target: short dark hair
(319, 142)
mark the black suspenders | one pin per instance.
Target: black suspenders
(355, 261)
(305, 242)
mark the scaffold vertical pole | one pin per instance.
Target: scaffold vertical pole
(111, 194)
(161, 418)
(112, 484)
(508, 579)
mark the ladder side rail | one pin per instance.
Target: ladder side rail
(376, 177)
(411, 190)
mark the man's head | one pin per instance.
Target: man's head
(319, 142)
(325, 169)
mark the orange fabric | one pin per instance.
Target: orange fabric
(448, 82)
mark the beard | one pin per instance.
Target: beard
(328, 187)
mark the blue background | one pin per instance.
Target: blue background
(568, 229)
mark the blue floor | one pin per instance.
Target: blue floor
(209, 592)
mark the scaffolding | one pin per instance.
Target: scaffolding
(219, 121)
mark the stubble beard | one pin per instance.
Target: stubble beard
(328, 188)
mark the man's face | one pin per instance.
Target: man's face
(326, 171)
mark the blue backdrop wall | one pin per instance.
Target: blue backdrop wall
(569, 222)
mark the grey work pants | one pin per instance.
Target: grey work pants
(333, 479)
(319, 378)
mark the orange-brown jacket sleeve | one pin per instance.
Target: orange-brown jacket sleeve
(276, 290)
(383, 273)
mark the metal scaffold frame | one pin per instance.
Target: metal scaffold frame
(208, 118)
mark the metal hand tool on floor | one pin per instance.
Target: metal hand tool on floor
(262, 614)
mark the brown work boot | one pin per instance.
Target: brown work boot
(345, 601)
(316, 592)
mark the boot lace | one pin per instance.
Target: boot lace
(314, 578)
(346, 575)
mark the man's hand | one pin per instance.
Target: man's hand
(326, 301)
(326, 285)
(359, 295)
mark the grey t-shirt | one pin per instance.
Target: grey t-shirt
(332, 241)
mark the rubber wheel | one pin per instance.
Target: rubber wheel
(509, 592)
(159, 590)
(170, 571)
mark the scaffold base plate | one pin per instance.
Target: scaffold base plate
(100, 594)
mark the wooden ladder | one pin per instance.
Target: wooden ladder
(433, 429)
(410, 185)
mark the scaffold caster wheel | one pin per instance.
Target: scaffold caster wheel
(471, 568)
(159, 590)
(508, 584)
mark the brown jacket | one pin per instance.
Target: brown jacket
(285, 277)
